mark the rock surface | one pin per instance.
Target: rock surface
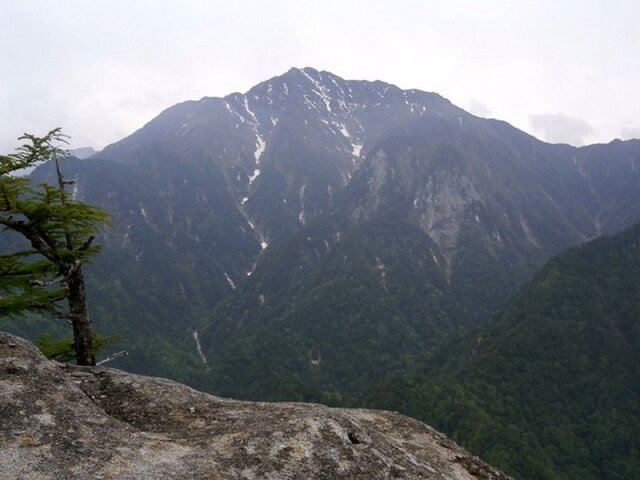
(61, 421)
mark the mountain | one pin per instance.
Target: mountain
(62, 421)
(82, 152)
(315, 235)
(444, 218)
(549, 387)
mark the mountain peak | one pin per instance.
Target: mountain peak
(297, 70)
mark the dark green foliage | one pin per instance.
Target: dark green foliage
(550, 387)
(60, 226)
(21, 277)
(332, 322)
(61, 349)
(57, 234)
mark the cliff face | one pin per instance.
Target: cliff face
(61, 421)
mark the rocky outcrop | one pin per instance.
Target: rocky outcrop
(62, 421)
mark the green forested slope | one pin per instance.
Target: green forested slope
(550, 388)
(333, 326)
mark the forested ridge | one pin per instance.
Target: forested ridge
(548, 388)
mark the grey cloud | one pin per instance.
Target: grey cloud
(560, 128)
(629, 131)
(478, 108)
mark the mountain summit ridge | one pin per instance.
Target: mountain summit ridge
(327, 115)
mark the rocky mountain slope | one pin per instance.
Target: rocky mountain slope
(445, 217)
(61, 421)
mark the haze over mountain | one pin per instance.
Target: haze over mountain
(322, 233)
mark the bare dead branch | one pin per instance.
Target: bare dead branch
(120, 354)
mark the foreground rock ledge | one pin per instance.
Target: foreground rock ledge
(59, 421)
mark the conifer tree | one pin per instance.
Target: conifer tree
(46, 275)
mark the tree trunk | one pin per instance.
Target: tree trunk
(79, 315)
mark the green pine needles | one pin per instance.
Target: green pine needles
(45, 273)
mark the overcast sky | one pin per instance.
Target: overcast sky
(563, 70)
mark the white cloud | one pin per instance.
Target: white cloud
(560, 128)
(629, 130)
(478, 108)
(102, 69)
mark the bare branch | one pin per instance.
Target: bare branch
(123, 353)
(46, 283)
(38, 241)
(87, 244)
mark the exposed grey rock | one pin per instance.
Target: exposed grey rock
(62, 421)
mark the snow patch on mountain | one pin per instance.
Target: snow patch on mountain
(301, 216)
(343, 130)
(144, 213)
(319, 89)
(232, 111)
(199, 347)
(260, 146)
(435, 259)
(255, 175)
(229, 281)
(245, 102)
